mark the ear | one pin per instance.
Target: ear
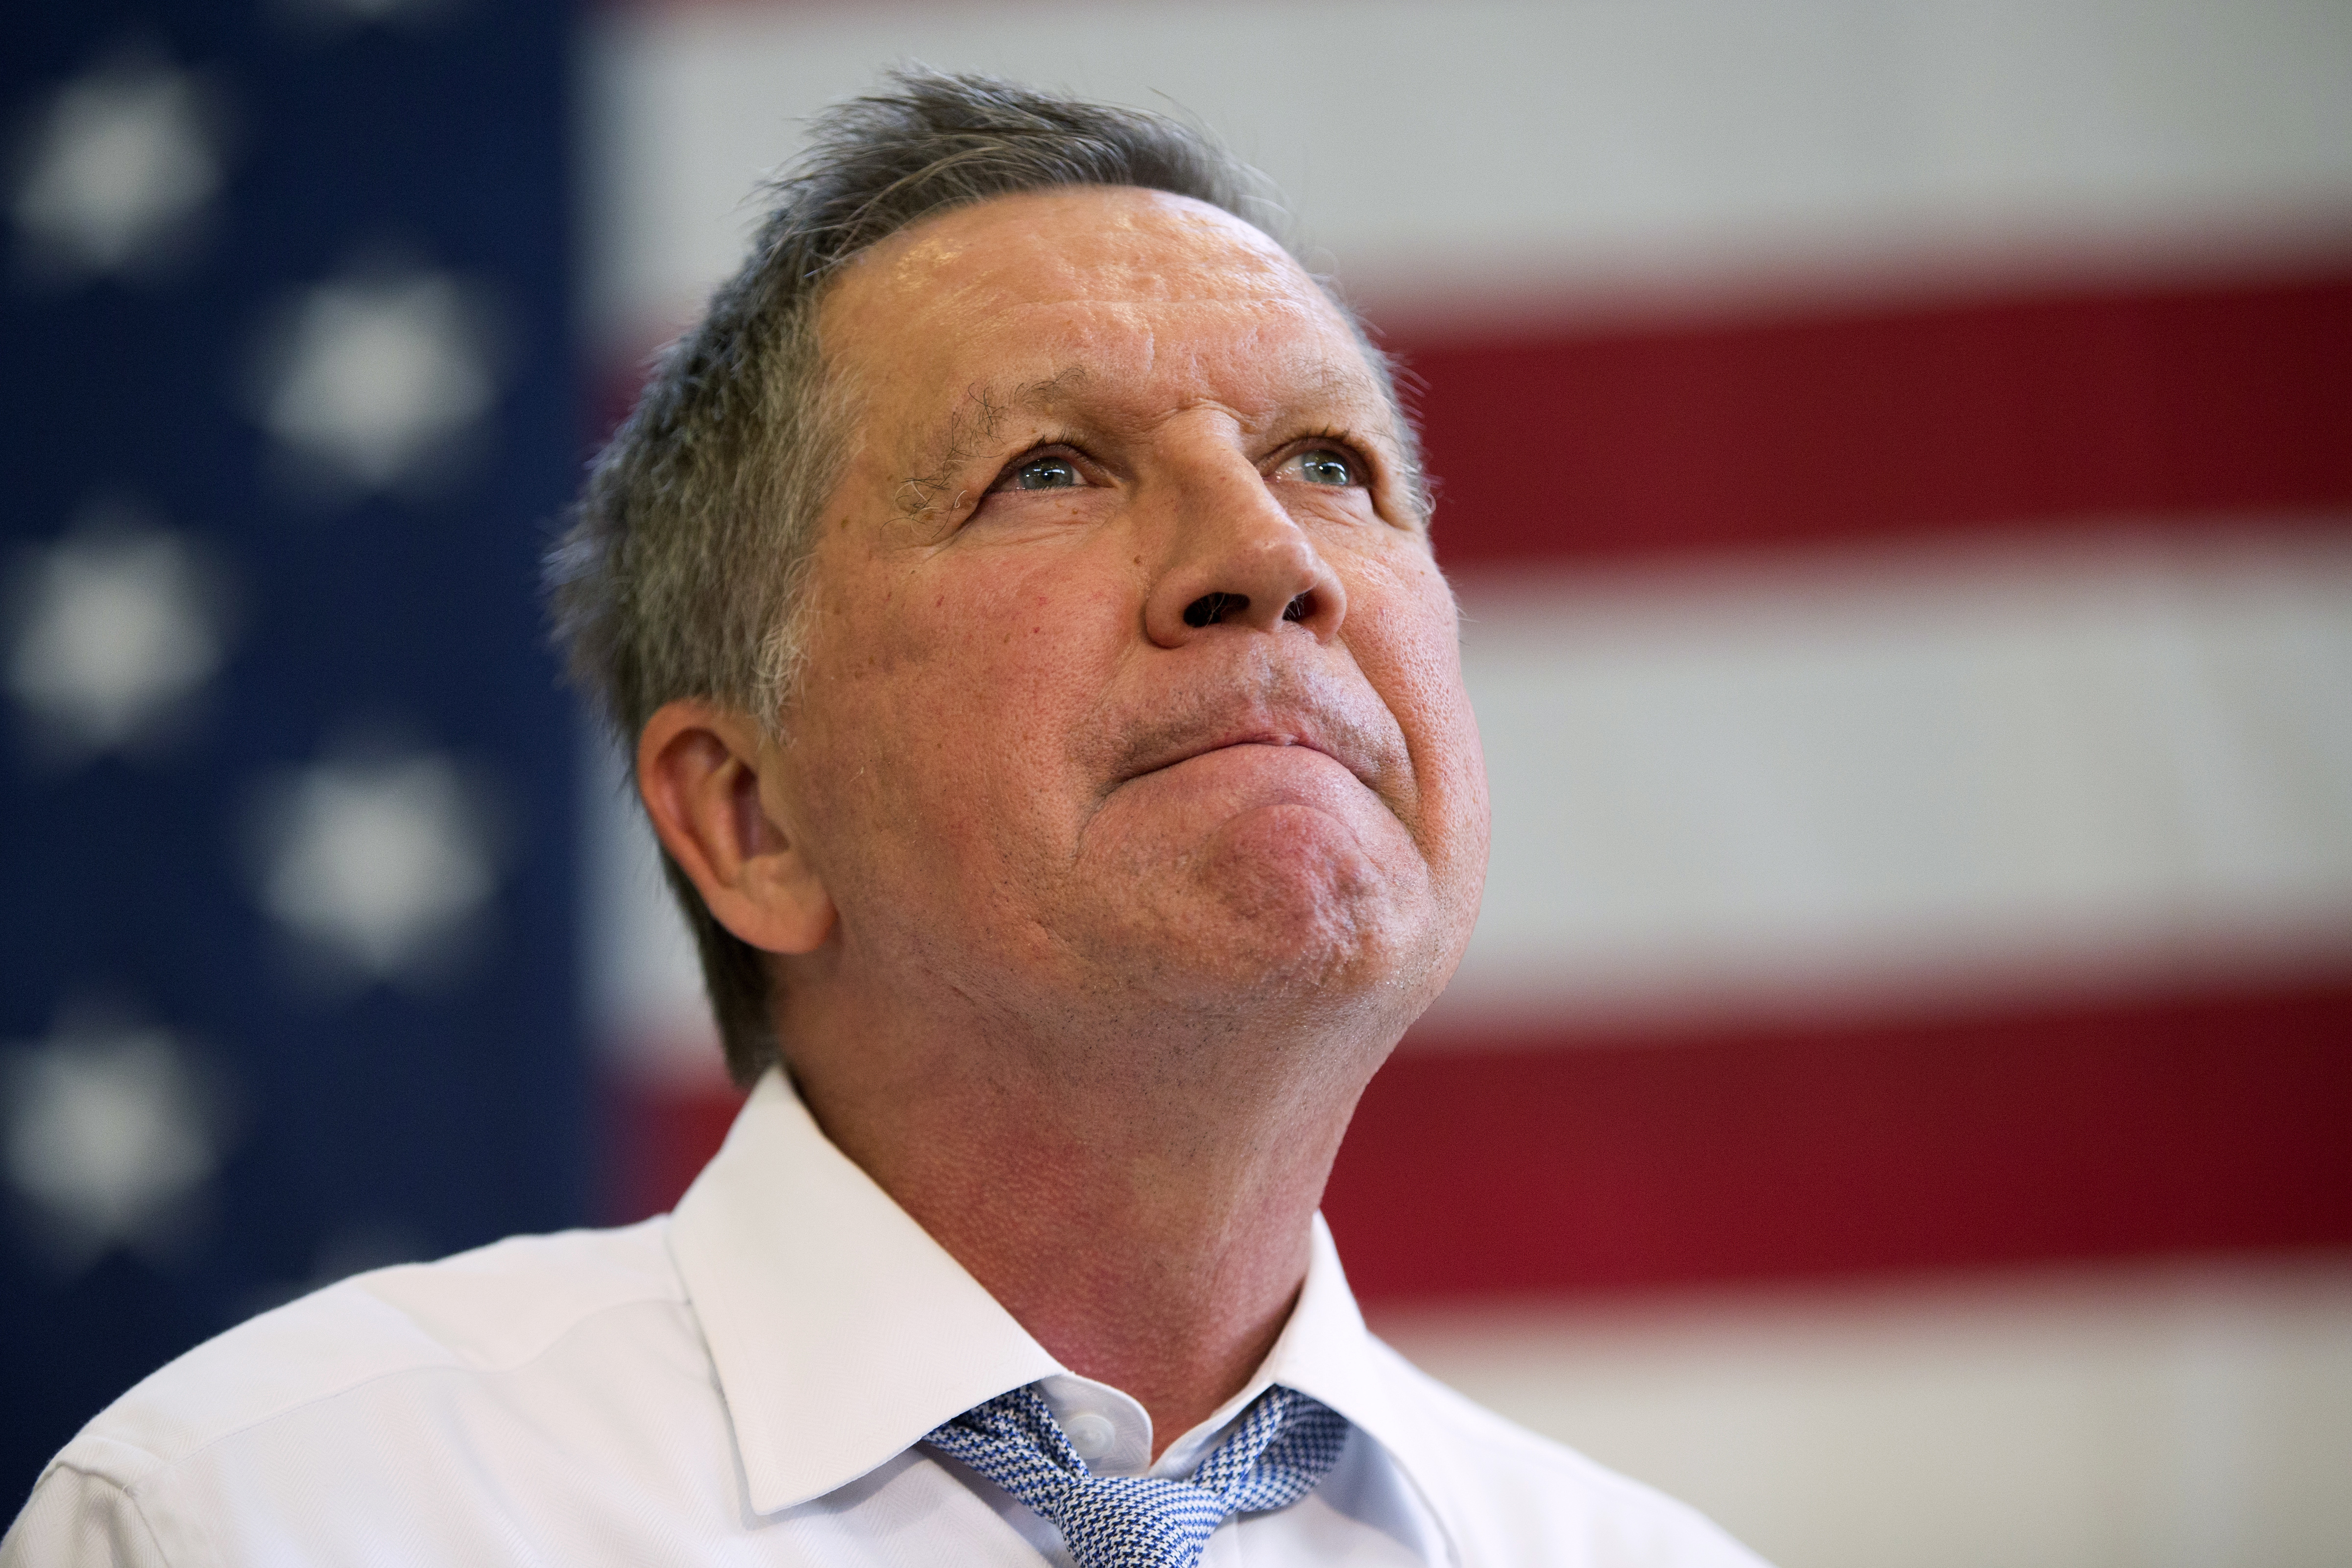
(699, 767)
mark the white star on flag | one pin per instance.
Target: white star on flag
(111, 1134)
(123, 163)
(378, 380)
(117, 628)
(382, 864)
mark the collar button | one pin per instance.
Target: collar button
(1090, 1434)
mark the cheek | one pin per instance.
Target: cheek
(1421, 680)
(953, 689)
(1412, 655)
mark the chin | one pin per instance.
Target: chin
(1287, 908)
(1300, 918)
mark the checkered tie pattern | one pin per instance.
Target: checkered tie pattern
(1283, 1446)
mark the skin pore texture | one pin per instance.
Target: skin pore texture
(1130, 805)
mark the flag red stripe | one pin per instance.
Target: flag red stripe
(1661, 439)
(2188, 1125)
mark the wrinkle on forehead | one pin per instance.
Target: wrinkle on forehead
(1012, 247)
(1099, 249)
(1076, 387)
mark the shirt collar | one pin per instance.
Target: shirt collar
(1326, 1352)
(843, 1333)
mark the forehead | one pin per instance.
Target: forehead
(1153, 300)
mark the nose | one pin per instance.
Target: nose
(1236, 561)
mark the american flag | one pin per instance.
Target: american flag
(1896, 463)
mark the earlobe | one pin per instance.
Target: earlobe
(699, 771)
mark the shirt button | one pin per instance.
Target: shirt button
(1091, 1435)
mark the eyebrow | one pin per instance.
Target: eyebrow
(982, 410)
(976, 417)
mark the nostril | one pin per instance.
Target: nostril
(1212, 608)
(1298, 606)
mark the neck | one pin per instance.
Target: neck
(1147, 1221)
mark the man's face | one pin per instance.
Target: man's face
(1131, 683)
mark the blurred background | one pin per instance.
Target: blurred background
(1896, 463)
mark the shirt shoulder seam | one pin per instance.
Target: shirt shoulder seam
(129, 1495)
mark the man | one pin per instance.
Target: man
(1018, 594)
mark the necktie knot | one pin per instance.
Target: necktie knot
(1283, 1445)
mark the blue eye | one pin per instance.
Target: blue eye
(1045, 473)
(1325, 467)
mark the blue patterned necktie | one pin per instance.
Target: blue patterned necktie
(1285, 1443)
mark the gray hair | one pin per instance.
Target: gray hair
(681, 573)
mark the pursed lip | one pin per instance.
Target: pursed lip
(1273, 705)
(1301, 737)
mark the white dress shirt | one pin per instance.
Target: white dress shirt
(746, 1381)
